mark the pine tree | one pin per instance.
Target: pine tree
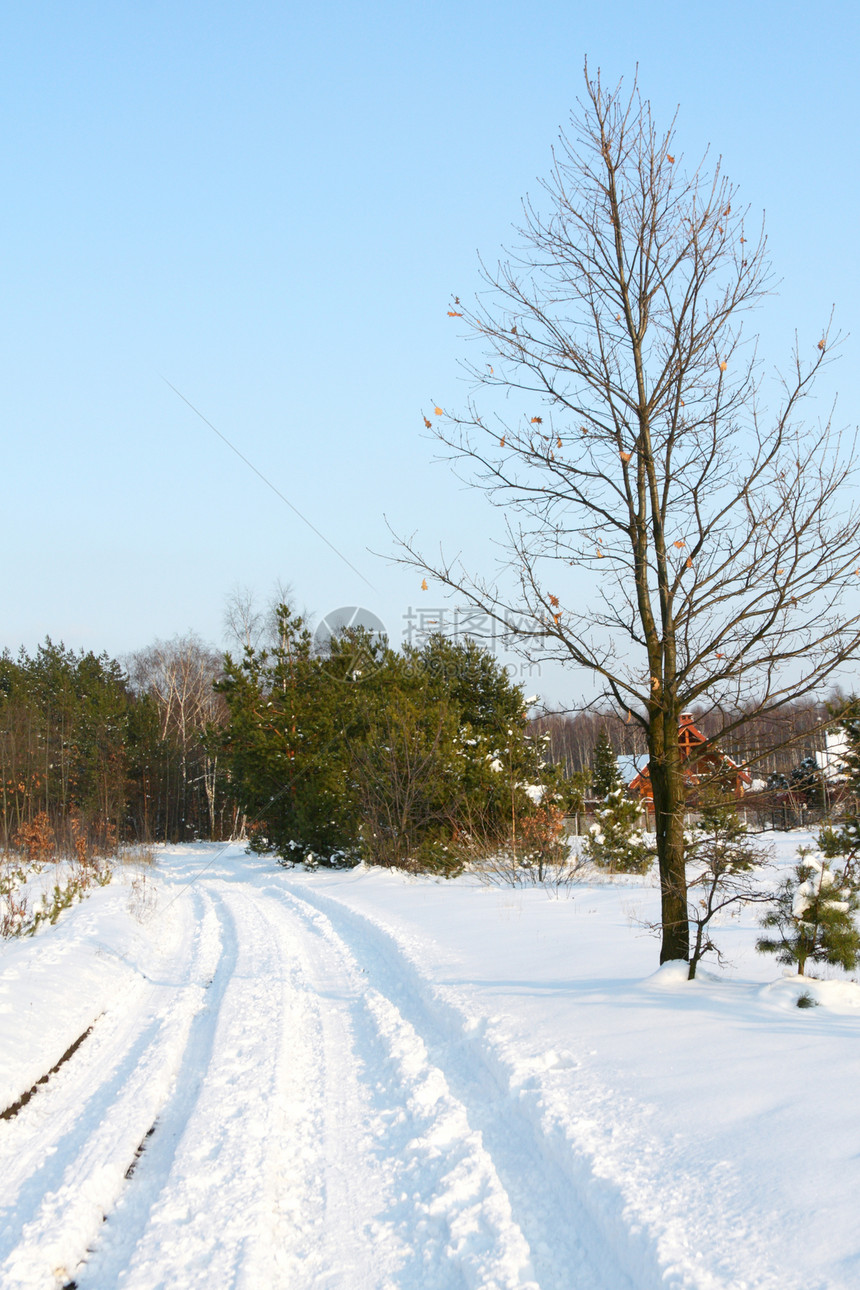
(615, 841)
(813, 916)
(844, 842)
(605, 778)
(370, 753)
(282, 745)
(805, 782)
(723, 863)
(64, 718)
(849, 722)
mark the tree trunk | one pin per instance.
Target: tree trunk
(667, 782)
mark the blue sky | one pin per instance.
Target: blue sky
(269, 205)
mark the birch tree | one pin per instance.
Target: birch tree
(179, 675)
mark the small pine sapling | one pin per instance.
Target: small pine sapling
(813, 916)
(605, 778)
(723, 868)
(615, 841)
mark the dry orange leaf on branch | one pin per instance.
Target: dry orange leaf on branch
(502, 441)
(553, 600)
(821, 343)
(723, 365)
(625, 456)
(679, 543)
(537, 421)
(557, 617)
(689, 563)
(558, 443)
(424, 586)
(438, 412)
(655, 683)
(670, 159)
(452, 313)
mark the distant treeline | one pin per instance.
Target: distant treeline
(102, 752)
(772, 745)
(358, 751)
(105, 752)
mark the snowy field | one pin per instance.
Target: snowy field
(364, 1081)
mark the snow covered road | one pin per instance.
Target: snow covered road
(362, 1082)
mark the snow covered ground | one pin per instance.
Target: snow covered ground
(366, 1081)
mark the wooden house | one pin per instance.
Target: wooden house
(710, 765)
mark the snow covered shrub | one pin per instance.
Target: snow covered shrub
(74, 885)
(13, 900)
(24, 910)
(813, 916)
(143, 897)
(615, 841)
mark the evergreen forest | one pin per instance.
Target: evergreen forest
(418, 757)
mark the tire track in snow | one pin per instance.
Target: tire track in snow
(448, 1209)
(65, 1155)
(574, 1228)
(227, 1193)
(111, 1246)
(408, 1199)
(324, 1184)
(652, 1228)
(21, 1102)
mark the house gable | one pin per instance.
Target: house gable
(697, 766)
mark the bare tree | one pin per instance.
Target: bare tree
(179, 674)
(244, 621)
(666, 530)
(250, 624)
